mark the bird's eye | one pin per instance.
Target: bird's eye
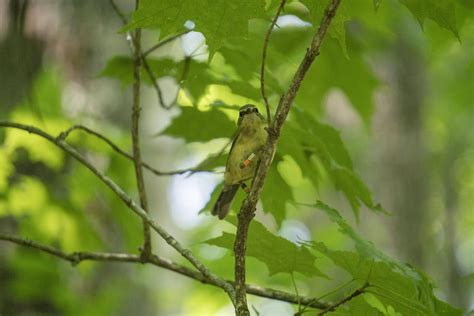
(255, 110)
(241, 114)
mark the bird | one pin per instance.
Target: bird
(244, 156)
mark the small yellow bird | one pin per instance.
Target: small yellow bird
(244, 156)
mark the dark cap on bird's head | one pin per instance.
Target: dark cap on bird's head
(246, 109)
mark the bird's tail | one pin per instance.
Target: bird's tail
(224, 201)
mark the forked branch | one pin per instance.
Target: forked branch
(77, 257)
(247, 210)
(64, 135)
(137, 160)
(59, 142)
(354, 294)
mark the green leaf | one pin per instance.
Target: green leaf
(277, 253)
(377, 4)
(324, 135)
(120, 68)
(200, 126)
(400, 291)
(354, 189)
(295, 142)
(337, 27)
(218, 20)
(360, 306)
(441, 12)
(192, 75)
(305, 139)
(354, 77)
(276, 193)
(364, 247)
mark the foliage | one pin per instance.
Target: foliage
(279, 254)
(62, 210)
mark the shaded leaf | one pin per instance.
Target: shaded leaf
(194, 79)
(305, 139)
(218, 20)
(364, 247)
(404, 291)
(120, 68)
(324, 135)
(200, 126)
(353, 77)
(442, 12)
(279, 254)
(354, 189)
(337, 28)
(276, 193)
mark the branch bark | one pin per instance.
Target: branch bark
(77, 257)
(264, 58)
(137, 160)
(64, 135)
(247, 210)
(143, 55)
(354, 294)
(58, 141)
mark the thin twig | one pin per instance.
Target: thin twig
(78, 257)
(154, 82)
(264, 57)
(247, 210)
(115, 147)
(143, 55)
(296, 291)
(319, 298)
(356, 293)
(118, 12)
(163, 42)
(226, 286)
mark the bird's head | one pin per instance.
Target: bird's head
(249, 115)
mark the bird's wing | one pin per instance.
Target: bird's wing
(234, 140)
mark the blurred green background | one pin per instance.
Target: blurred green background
(400, 95)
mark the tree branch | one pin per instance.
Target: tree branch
(143, 55)
(247, 210)
(170, 240)
(78, 257)
(137, 160)
(357, 292)
(116, 148)
(118, 12)
(264, 57)
(154, 82)
(163, 42)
